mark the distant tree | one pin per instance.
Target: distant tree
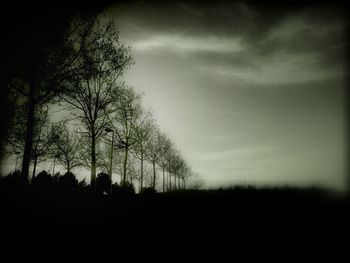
(102, 62)
(196, 182)
(66, 146)
(170, 157)
(175, 166)
(154, 150)
(124, 119)
(143, 130)
(117, 159)
(184, 173)
(165, 149)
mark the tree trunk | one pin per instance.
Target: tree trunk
(93, 162)
(154, 175)
(29, 138)
(125, 163)
(68, 167)
(34, 167)
(169, 181)
(141, 187)
(163, 180)
(174, 181)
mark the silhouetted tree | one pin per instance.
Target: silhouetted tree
(143, 130)
(196, 182)
(184, 172)
(127, 111)
(66, 147)
(42, 140)
(154, 150)
(103, 60)
(165, 149)
(42, 182)
(69, 181)
(43, 80)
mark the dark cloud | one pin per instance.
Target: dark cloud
(264, 30)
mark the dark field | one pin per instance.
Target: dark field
(241, 215)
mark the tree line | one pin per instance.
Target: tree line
(82, 76)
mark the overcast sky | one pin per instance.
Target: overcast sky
(248, 94)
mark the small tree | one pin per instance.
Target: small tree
(66, 147)
(103, 183)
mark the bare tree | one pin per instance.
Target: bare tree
(165, 148)
(170, 157)
(45, 80)
(103, 61)
(175, 166)
(127, 111)
(184, 173)
(154, 150)
(66, 146)
(117, 160)
(143, 132)
(42, 137)
(196, 182)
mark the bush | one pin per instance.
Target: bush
(11, 182)
(148, 191)
(42, 181)
(127, 189)
(68, 181)
(103, 183)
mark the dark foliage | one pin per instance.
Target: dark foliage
(126, 189)
(148, 191)
(68, 182)
(42, 181)
(103, 184)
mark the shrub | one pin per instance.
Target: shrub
(103, 183)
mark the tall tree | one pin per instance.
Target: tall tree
(43, 79)
(165, 149)
(103, 60)
(42, 137)
(127, 111)
(143, 131)
(154, 150)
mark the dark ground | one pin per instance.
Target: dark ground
(177, 221)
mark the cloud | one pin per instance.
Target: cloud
(278, 69)
(179, 43)
(239, 42)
